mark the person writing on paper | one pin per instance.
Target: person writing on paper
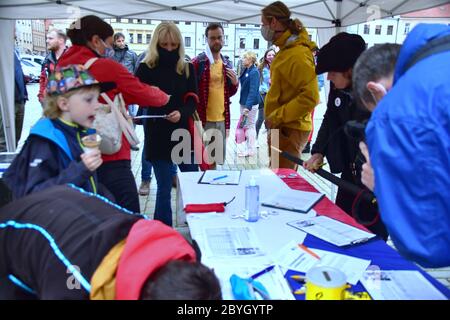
(294, 90)
(53, 153)
(408, 139)
(337, 58)
(166, 68)
(61, 243)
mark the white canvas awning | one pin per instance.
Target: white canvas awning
(328, 15)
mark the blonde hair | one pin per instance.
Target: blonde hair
(281, 12)
(250, 55)
(51, 108)
(167, 30)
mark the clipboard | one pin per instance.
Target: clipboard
(294, 200)
(332, 231)
(215, 177)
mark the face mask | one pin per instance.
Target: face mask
(167, 57)
(267, 33)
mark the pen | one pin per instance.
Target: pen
(321, 165)
(218, 178)
(264, 271)
(298, 278)
(303, 247)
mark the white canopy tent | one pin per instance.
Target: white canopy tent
(327, 15)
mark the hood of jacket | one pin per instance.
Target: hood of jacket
(288, 39)
(417, 38)
(149, 246)
(45, 128)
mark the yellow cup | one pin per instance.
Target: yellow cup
(325, 283)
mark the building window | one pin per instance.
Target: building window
(149, 37)
(131, 38)
(257, 25)
(187, 42)
(390, 30)
(188, 23)
(149, 21)
(139, 21)
(255, 43)
(242, 43)
(205, 24)
(378, 29)
(407, 27)
(225, 40)
(224, 24)
(204, 39)
(176, 22)
(139, 39)
(243, 25)
(366, 28)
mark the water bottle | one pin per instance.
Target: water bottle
(252, 201)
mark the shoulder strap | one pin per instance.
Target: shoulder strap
(431, 48)
(90, 62)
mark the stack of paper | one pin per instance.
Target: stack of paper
(399, 285)
(293, 257)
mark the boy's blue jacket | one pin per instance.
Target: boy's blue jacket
(46, 160)
(409, 141)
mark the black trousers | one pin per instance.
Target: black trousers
(118, 178)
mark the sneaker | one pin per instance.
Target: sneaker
(144, 189)
(307, 148)
(134, 148)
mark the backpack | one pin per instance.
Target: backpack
(111, 120)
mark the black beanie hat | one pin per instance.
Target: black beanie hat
(82, 30)
(341, 53)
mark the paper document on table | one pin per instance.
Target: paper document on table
(399, 285)
(273, 281)
(220, 177)
(293, 200)
(293, 257)
(231, 242)
(333, 231)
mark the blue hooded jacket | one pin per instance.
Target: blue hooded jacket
(409, 141)
(48, 159)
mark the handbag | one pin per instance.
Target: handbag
(111, 120)
(240, 129)
(196, 131)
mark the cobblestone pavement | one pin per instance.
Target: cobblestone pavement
(33, 112)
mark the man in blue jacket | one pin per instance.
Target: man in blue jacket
(409, 142)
